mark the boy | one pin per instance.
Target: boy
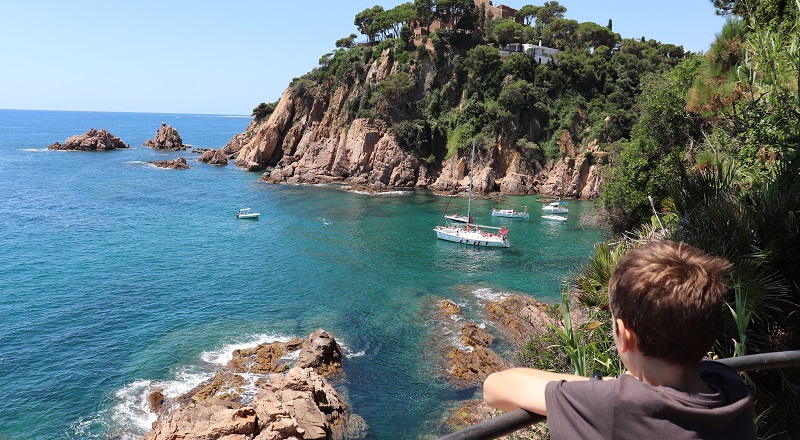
(666, 301)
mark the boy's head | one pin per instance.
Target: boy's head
(670, 296)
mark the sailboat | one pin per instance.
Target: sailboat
(469, 233)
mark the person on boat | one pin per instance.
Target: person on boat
(666, 303)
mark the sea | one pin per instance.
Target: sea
(116, 276)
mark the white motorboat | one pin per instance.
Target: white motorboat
(555, 208)
(555, 218)
(511, 213)
(475, 235)
(247, 214)
(469, 233)
(457, 218)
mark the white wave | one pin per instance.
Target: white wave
(223, 355)
(488, 294)
(131, 417)
(34, 150)
(384, 193)
(349, 353)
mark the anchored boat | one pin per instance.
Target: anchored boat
(467, 232)
(247, 214)
(511, 213)
(556, 208)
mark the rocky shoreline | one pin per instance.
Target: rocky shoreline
(286, 390)
(291, 401)
(472, 355)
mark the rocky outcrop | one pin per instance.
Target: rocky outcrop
(300, 404)
(166, 138)
(468, 360)
(214, 157)
(321, 353)
(92, 140)
(519, 317)
(175, 164)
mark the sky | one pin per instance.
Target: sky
(225, 57)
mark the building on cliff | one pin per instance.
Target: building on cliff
(487, 9)
(541, 54)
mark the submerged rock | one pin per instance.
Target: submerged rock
(166, 138)
(175, 164)
(92, 140)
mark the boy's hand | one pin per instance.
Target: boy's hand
(521, 388)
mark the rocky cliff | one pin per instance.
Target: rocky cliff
(313, 136)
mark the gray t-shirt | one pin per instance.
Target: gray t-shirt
(627, 408)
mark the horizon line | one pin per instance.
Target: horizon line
(118, 111)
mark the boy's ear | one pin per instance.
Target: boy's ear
(628, 340)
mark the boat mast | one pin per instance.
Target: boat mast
(469, 189)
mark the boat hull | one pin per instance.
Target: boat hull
(511, 214)
(248, 216)
(553, 210)
(471, 238)
(457, 218)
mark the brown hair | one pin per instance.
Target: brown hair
(670, 294)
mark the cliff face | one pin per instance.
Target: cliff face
(312, 137)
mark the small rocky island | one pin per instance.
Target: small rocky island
(166, 138)
(214, 157)
(175, 164)
(291, 401)
(92, 140)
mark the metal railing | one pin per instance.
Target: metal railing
(516, 420)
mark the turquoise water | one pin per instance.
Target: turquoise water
(115, 275)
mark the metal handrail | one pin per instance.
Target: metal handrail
(516, 420)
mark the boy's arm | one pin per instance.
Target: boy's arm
(521, 388)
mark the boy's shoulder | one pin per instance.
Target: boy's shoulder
(629, 408)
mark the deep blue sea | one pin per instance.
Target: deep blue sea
(115, 276)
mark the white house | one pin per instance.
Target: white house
(540, 54)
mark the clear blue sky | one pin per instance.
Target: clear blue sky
(226, 57)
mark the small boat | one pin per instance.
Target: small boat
(555, 218)
(511, 213)
(457, 218)
(474, 235)
(555, 208)
(247, 214)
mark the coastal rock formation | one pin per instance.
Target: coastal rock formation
(175, 164)
(520, 317)
(214, 157)
(468, 360)
(314, 136)
(166, 138)
(92, 140)
(300, 404)
(321, 353)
